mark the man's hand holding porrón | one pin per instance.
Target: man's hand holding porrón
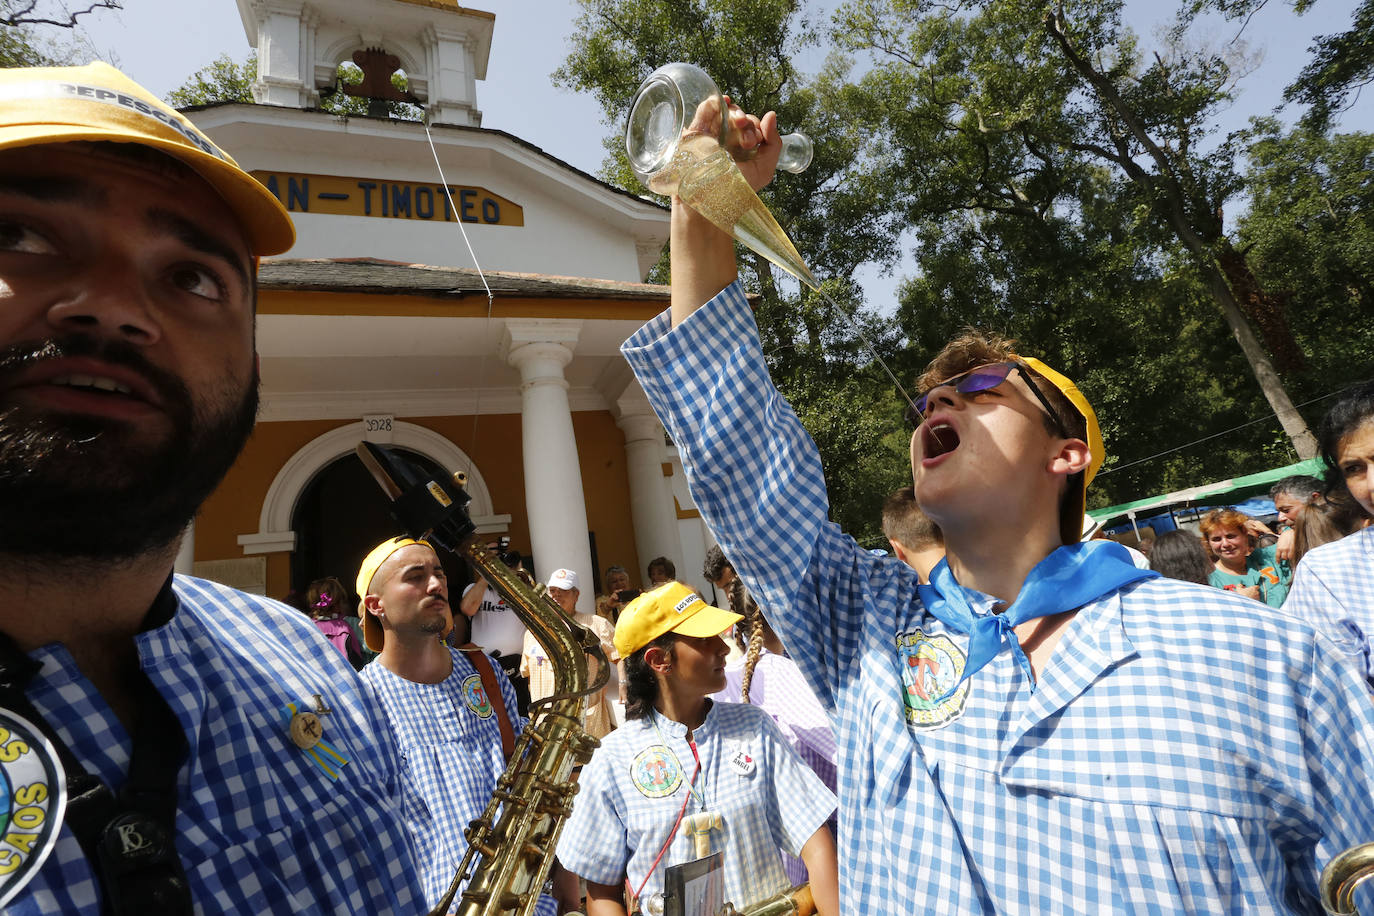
(702, 257)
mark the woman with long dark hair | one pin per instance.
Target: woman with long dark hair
(1332, 586)
(685, 773)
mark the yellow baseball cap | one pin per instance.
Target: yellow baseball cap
(670, 608)
(1071, 515)
(42, 105)
(373, 634)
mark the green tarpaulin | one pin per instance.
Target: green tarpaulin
(1237, 487)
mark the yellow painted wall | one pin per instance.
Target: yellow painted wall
(234, 508)
(606, 486)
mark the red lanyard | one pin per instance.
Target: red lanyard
(691, 792)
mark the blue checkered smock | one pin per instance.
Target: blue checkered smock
(451, 757)
(1184, 750)
(1333, 589)
(631, 791)
(261, 827)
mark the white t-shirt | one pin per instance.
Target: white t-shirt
(495, 626)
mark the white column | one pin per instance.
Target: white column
(554, 500)
(451, 91)
(652, 508)
(186, 553)
(285, 45)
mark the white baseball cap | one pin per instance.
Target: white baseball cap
(565, 579)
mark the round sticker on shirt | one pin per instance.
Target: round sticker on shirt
(33, 797)
(742, 760)
(475, 696)
(931, 665)
(656, 772)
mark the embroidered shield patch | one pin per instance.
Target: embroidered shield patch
(33, 798)
(931, 665)
(656, 772)
(475, 696)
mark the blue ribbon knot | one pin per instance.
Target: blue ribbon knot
(1068, 578)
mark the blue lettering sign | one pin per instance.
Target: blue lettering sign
(400, 200)
(298, 194)
(424, 203)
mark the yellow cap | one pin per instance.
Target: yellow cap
(373, 635)
(41, 105)
(670, 608)
(1071, 517)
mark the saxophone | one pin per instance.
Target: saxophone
(1343, 876)
(511, 845)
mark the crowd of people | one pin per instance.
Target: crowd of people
(1243, 555)
(1002, 717)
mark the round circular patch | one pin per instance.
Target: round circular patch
(475, 696)
(931, 666)
(306, 730)
(656, 772)
(33, 797)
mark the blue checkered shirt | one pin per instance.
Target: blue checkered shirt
(1333, 589)
(630, 793)
(1184, 750)
(261, 827)
(451, 757)
(778, 688)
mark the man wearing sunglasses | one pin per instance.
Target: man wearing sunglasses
(1043, 727)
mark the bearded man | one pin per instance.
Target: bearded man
(453, 711)
(170, 745)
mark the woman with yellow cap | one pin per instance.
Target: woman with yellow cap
(686, 776)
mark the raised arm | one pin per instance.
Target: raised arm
(472, 598)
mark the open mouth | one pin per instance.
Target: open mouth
(92, 383)
(938, 439)
(87, 384)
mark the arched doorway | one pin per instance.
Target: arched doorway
(342, 514)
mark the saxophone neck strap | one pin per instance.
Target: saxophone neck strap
(128, 837)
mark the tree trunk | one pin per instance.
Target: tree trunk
(1166, 187)
(1266, 311)
(1304, 443)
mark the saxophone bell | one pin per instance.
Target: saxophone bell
(1343, 876)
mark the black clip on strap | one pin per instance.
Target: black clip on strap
(128, 841)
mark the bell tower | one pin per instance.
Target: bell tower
(441, 47)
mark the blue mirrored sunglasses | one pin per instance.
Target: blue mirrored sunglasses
(981, 378)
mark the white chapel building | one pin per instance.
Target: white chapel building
(376, 325)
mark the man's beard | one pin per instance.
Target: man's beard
(77, 485)
(435, 625)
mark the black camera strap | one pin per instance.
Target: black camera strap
(128, 837)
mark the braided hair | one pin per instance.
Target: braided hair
(742, 603)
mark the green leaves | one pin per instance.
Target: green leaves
(222, 81)
(226, 81)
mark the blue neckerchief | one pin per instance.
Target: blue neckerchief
(1068, 578)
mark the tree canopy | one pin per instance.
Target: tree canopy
(1054, 183)
(35, 33)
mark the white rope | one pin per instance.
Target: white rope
(482, 361)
